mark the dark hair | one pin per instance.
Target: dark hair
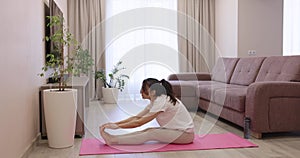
(160, 87)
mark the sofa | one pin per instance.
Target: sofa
(264, 89)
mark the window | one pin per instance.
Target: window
(153, 52)
(291, 27)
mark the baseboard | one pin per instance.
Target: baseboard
(30, 146)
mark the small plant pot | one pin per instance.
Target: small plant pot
(110, 95)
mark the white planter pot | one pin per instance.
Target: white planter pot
(110, 95)
(60, 116)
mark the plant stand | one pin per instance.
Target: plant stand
(60, 116)
(110, 95)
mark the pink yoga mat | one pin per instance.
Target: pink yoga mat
(93, 146)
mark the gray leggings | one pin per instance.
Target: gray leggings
(156, 134)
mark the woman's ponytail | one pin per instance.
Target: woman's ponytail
(160, 87)
(169, 90)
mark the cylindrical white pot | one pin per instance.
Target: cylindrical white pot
(60, 116)
(110, 95)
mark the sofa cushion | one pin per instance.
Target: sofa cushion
(279, 68)
(246, 70)
(184, 88)
(208, 83)
(223, 69)
(206, 91)
(233, 98)
(206, 87)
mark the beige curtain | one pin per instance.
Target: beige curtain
(86, 19)
(196, 34)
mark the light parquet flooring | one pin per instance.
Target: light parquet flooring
(282, 145)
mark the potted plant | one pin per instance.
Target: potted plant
(60, 104)
(113, 84)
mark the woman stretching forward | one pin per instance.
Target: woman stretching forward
(176, 124)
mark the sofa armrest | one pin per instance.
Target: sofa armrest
(190, 76)
(260, 98)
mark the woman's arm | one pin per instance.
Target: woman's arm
(132, 122)
(140, 114)
(138, 121)
(126, 120)
(116, 125)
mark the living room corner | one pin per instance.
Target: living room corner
(247, 66)
(22, 57)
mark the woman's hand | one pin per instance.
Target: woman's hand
(110, 126)
(101, 128)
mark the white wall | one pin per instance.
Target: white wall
(243, 25)
(260, 24)
(21, 59)
(227, 27)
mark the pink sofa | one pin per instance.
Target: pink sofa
(264, 89)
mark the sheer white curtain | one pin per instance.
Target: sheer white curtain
(158, 45)
(291, 27)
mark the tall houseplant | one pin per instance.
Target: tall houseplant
(60, 105)
(113, 84)
(75, 63)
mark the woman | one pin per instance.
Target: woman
(176, 124)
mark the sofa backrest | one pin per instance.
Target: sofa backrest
(279, 68)
(223, 69)
(246, 70)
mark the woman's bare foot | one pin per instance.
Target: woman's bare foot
(109, 139)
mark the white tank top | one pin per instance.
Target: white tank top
(172, 116)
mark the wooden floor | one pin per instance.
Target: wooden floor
(280, 145)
